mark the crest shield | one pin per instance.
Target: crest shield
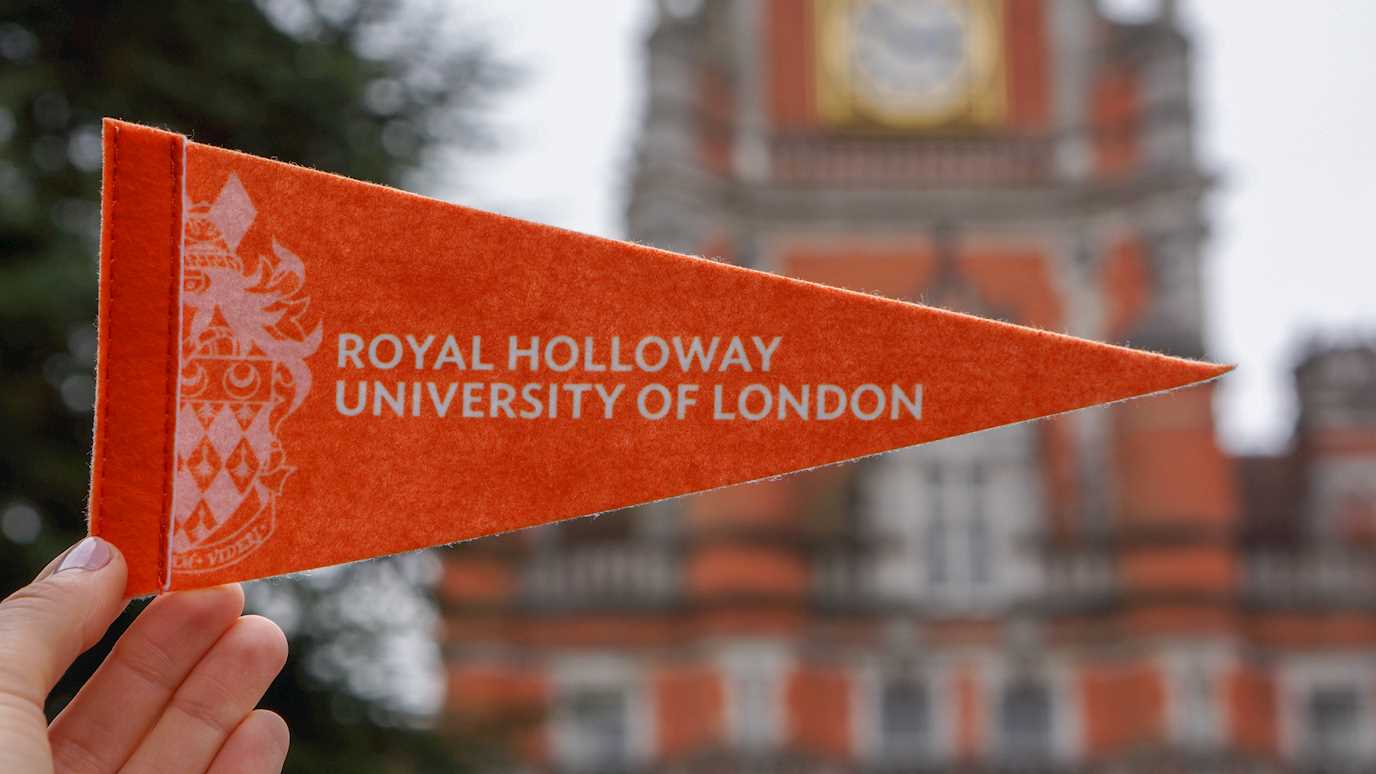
(243, 372)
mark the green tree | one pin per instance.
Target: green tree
(372, 90)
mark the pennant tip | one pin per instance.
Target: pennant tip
(1215, 370)
(1200, 372)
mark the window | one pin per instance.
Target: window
(905, 719)
(1335, 726)
(754, 710)
(937, 546)
(1198, 707)
(754, 701)
(948, 522)
(957, 527)
(976, 527)
(934, 540)
(1025, 719)
(596, 726)
(979, 550)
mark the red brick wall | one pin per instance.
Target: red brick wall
(737, 569)
(1059, 477)
(788, 59)
(759, 504)
(1029, 83)
(899, 271)
(1015, 281)
(476, 579)
(1252, 705)
(715, 108)
(1206, 567)
(971, 714)
(1170, 468)
(1124, 706)
(505, 699)
(689, 703)
(1114, 111)
(1126, 288)
(819, 711)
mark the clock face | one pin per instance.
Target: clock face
(910, 65)
(911, 58)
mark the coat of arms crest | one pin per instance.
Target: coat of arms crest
(244, 346)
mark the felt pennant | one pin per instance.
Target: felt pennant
(298, 369)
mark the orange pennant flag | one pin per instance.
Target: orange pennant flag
(298, 370)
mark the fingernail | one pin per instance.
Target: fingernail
(91, 553)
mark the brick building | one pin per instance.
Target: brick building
(1105, 590)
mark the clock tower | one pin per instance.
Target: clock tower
(1051, 596)
(936, 65)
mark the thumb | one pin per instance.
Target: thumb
(45, 625)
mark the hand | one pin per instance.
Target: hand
(176, 694)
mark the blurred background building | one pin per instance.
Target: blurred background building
(1107, 591)
(1104, 590)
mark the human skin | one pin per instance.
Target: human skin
(177, 693)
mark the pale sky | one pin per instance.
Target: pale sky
(1287, 118)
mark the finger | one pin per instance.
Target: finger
(99, 730)
(212, 701)
(43, 628)
(48, 623)
(257, 746)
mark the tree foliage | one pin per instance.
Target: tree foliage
(366, 89)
